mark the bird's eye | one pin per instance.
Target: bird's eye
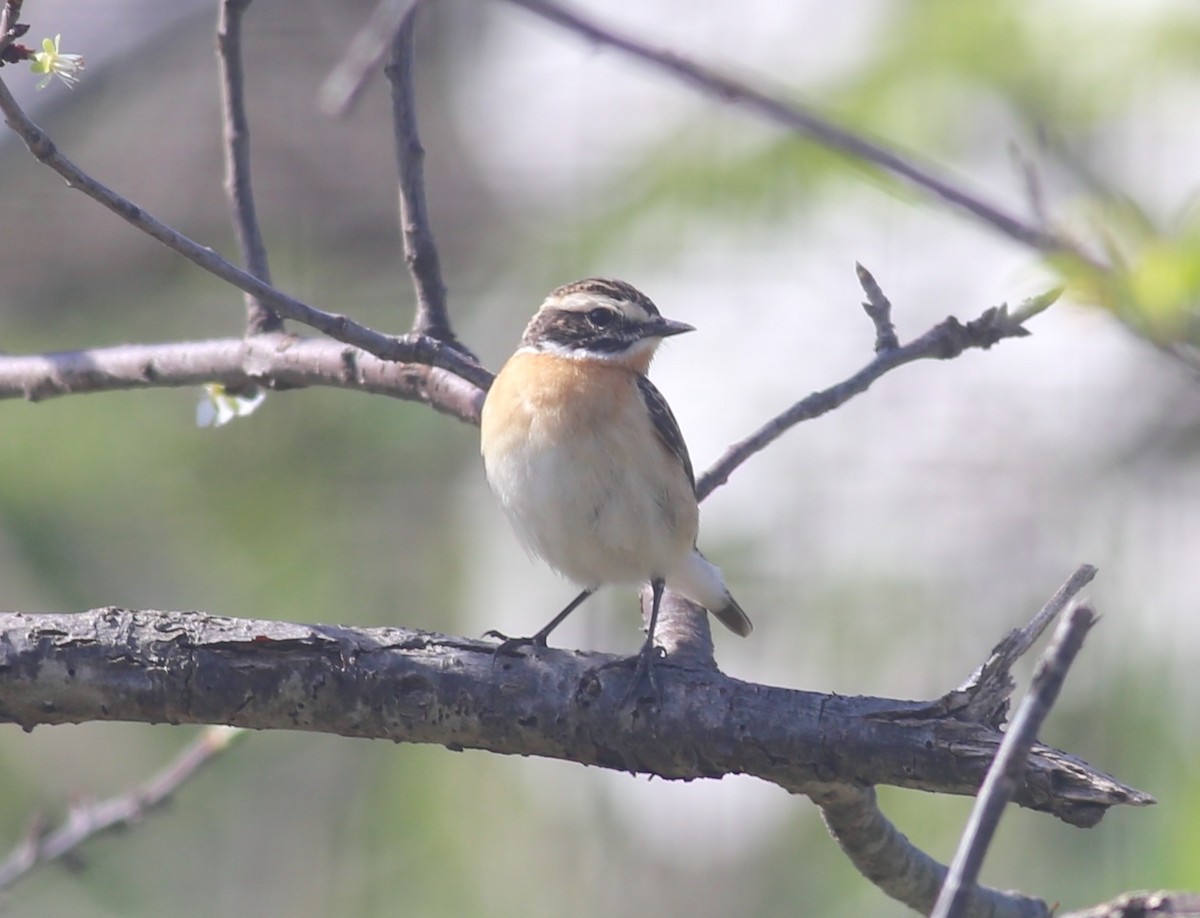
(601, 318)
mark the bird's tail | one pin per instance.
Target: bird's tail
(702, 583)
(733, 618)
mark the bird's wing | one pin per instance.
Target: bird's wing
(666, 426)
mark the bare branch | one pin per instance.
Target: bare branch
(410, 686)
(276, 361)
(10, 29)
(87, 820)
(983, 698)
(407, 348)
(420, 252)
(942, 342)
(816, 128)
(1005, 773)
(259, 317)
(684, 631)
(889, 860)
(368, 48)
(879, 851)
(1145, 905)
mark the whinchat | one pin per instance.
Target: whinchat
(587, 460)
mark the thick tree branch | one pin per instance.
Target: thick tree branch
(409, 686)
(236, 127)
(88, 819)
(276, 361)
(875, 846)
(407, 348)
(816, 128)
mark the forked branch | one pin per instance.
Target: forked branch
(406, 348)
(89, 819)
(944, 341)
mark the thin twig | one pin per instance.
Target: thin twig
(420, 251)
(405, 348)
(817, 128)
(259, 317)
(9, 18)
(88, 820)
(879, 310)
(276, 361)
(942, 342)
(1005, 772)
(368, 48)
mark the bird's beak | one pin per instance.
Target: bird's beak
(665, 328)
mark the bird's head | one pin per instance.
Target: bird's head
(600, 319)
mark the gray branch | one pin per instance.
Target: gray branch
(276, 361)
(87, 819)
(420, 687)
(944, 341)
(420, 251)
(236, 128)
(954, 900)
(1145, 905)
(407, 348)
(898, 867)
(811, 125)
(876, 847)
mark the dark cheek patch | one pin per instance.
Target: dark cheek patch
(571, 329)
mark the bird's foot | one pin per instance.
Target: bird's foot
(508, 645)
(644, 674)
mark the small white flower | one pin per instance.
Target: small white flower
(55, 63)
(218, 406)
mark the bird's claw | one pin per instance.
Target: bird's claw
(643, 671)
(508, 645)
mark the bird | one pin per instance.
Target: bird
(587, 460)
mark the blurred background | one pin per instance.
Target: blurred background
(881, 550)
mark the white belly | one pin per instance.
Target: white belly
(590, 515)
(581, 475)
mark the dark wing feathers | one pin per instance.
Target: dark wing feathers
(666, 426)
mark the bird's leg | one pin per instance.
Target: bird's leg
(650, 652)
(643, 661)
(509, 644)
